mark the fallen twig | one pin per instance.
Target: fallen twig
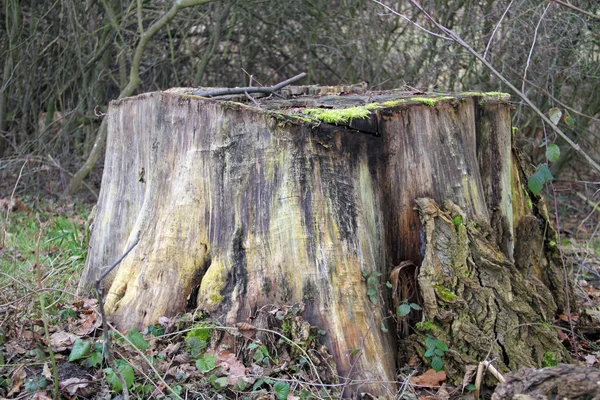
(249, 89)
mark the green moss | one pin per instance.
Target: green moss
(425, 326)
(430, 101)
(374, 106)
(444, 294)
(393, 103)
(457, 220)
(336, 116)
(549, 359)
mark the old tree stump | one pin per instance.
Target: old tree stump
(319, 199)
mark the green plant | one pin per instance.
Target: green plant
(372, 278)
(542, 174)
(405, 308)
(434, 353)
(549, 359)
(126, 372)
(261, 355)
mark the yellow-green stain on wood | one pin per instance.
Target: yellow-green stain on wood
(212, 284)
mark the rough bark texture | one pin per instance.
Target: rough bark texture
(239, 207)
(561, 382)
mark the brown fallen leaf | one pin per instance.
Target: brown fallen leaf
(41, 396)
(230, 362)
(72, 385)
(61, 340)
(16, 380)
(429, 378)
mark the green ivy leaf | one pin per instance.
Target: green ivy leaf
(239, 385)
(126, 371)
(35, 384)
(535, 184)
(552, 152)
(195, 346)
(388, 284)
(403, 310)
(372, 281)
(430, 352)
(430, 342)
(218, 383)
(281, 390)
(206, 363)
(437, 364)
(365, 273)
(258, 384)
(568, 120)
(93, 360)
(540, 177)
(259, 356)
(371, 292)
(554, 114)
(415, 306)
(439, 352)
(470, 387)
(80, 349)
(441, 345)
(137, 339)
(156, 330)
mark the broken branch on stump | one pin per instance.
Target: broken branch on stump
(250, 89)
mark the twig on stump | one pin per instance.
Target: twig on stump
(105, 338)
(249, 89)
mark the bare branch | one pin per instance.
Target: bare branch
(532, 46)
(453, 36)
(572, 7)
(496, 28)
(250, 89)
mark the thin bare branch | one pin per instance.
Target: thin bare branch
(572, 7)
(537, 27)
(496, 28)
(454, 37)
(250, 89)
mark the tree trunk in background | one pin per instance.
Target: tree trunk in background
(240, 207)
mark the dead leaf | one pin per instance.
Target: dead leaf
(90, 303)
(14, 349)
(164, 321)
(229, 362)
(181, 358)
(172, 348)
(41, 396)
(16, 380)
(429, 378)
(590, 359)
(71, 385)
(87, 325)
(60, 341)
(412, 361)
(247, 330)
(564, 317)
(46, 372)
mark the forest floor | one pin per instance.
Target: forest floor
(51, 340)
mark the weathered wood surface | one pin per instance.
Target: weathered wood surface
(239, 207)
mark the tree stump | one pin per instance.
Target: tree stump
(321, 200)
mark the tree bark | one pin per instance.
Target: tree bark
(239, 207)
